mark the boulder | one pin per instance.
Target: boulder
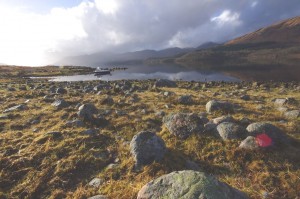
(96, 182)
(189, 184)
(165, 83)
(147, 147)
(215, 105)
(183, 125)
(272, 131)
(249, 143)
(228, 131)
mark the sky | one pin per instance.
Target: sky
(40, 32)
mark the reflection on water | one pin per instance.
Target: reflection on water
(171, 72)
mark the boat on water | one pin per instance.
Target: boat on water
(101, 71)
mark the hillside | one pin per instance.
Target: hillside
(287, 31)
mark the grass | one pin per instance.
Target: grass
(36, 165)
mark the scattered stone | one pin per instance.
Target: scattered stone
(224, 118)
(292, 114)
(96, 182)
(280, 102)
(54, 134)
(74, 123)
(215, 105)
(20, 107)
(272, 131)
(90, 132)
(165, 83)
(245, 97)
(60, 103)
(147, 147)
(61, 91)
(183, 125)
(189, 184)
(98, 197)
(108, 101)
(87, 111)
(160, 114)
(228, 131)
(185, 99)
(249, 143)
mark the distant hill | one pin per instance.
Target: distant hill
(287, 31)
(136, 57)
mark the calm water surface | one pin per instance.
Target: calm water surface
(171, 72)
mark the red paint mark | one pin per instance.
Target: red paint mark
(264, 140)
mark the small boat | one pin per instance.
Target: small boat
(101, 71)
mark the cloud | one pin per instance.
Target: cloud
(128, 25)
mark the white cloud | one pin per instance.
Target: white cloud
(227, 17)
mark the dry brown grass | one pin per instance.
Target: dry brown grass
(33, 165)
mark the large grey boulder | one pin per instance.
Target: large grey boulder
(147, 147)
(228, 131)
(188, 185)
(272, 131)
(165, 83)
(215, 105)
(183, 125)
(224, 118)
(86, 112)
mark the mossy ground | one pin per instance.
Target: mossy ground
(35, 165)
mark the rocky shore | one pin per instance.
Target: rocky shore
(149, 139)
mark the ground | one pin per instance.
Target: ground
(34, 164)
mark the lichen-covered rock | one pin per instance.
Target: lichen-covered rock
(188, 185)
(165, 83)
(183, 125)
(272, 131)
(147, 147)
(215, 105)
(249, 143)
(61, 91)
(86, 112)
(228, 131)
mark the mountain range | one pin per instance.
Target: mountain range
(275, 48)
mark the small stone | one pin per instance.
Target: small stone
(249, 143)
(96, 182)
(60, 103)
(98, 197)
(292, 114)
(224, 118)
